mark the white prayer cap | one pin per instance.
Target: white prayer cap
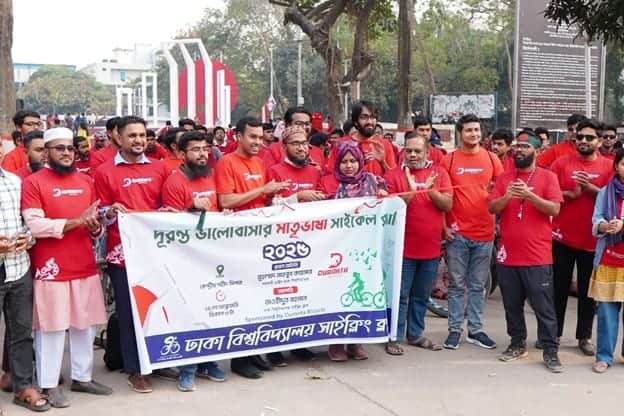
(57, 133)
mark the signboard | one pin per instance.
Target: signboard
(263, 280)
(448, 109)
(550, 82)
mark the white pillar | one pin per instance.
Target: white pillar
(220, 97)
(174, 105)
(155, 98)
(190, 80)
(209, 111)
(227, 106)
(118, 110)
(144, 95)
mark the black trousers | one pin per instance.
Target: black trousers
(564, 259)
(119, 279)
(535, 283)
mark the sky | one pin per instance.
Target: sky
(79, 32)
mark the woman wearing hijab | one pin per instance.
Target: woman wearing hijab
(607, 282)
(353, 182)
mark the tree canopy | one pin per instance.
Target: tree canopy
(597, 19)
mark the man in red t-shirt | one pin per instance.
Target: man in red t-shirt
(609, 138)
(423, 127)
(82, 151)
(580, 176)
(129, 182)
(25, 122)
(429, 196)
(469, 232)
(295, 169)
(379, 156)
(109, 152)
(154, 150)
(502, 140)
(526, 198)
(175, 157)
(564, 148)
(60, 209)
(241, 184)
(35, 152)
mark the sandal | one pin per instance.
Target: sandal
(600, 367)
(393, 348)
(31, 400)
(426, 343)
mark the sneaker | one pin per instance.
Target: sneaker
(452, 341)
(211, 371)
(481, 339)
(186, 381)
(140, 383)
(513, 353)
(551, 360)
(587, 347)
(437, 309)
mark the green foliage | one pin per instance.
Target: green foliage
(58, 89)
(598, 19)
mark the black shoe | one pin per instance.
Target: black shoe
(587, 347)
(513, 353)
(261, 363)
(304, 354)
(277, 359)
(551, 360)
(244, 368)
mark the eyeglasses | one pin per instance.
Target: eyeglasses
(298, 144)
(586, 137)
(61, 148)
(199, 149)
(366, 117)
(302, 123)
(609, 136)
(32, 124)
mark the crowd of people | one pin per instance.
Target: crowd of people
(552, 209)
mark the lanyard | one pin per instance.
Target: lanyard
(528, 182)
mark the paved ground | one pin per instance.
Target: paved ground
(470, 381)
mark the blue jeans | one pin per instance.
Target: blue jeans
(607, 330)
(417, 277)
(468, 263)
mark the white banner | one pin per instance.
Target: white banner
(263, 280)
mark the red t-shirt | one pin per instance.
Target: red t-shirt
(83, 166)
(526, 241)
(435, 155)
(509, 165)
(235, 174)
(275, 154)
(423, 222)
(329, 185)
(159, 153)
(180, 191)
(61, 197)
(556, 152)
(372, 166)
(173, 164)
(471, 174)
(15, 159)
(573, 225)
(103, 155)
(136, 186)
(306, 178)
(24, 172)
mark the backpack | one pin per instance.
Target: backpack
(112, 344)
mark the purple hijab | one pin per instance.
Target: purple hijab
(352, 147)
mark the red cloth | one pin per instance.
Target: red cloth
(372, 166)
(235, 174)
(103, 155)
(573, 225)
(526, 241)
(83, 166)
(555, 152)
(61, 197)
(435, 155)
(180, 191)
(172, 164)
(159, 153)
(329, 186)
(15, 159)
(136, 186)
(472, 174)
(306, 178)
(509, 164)
(423, 222)
(614, 256)
(275, 154)
(24, 172)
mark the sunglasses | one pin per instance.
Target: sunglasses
(609, 136)
(62, 148)
(586, 137)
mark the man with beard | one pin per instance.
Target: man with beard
(25, 122)
(100, 140)
(241, 183)
(60, 208)
(565, 148)
(526, 198)
(301, 118)
(109, 152)
(192, 188)
(469, 232)
(130, 181)
(153, 149)
(378, 153)
(609, 138)
(580, 178)
(82, 151)
(427, 192)
(303, 179)
(35, 151)
(502, 140)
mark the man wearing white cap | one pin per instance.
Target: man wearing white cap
(60, 208)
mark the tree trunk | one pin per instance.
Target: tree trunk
(509, 64)
(406, 9)
(7, 87)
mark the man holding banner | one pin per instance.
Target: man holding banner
(129, 182)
